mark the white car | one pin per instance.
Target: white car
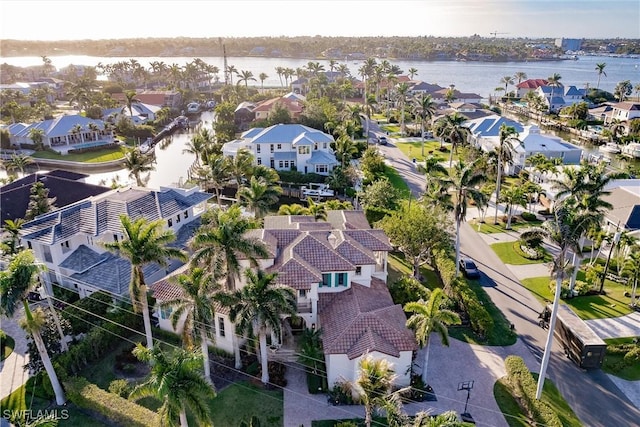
(193, 107)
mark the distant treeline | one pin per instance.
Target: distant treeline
(340, 48)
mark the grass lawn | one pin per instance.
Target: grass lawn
(488, 227)
(241, 400)
(550, 395)
(396, 180)
(414, 150)
(612, 304)
(98, 156)
(399, 268)
(508, 255)
(7, 347)
(614, 359)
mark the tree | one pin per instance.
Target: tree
(197, 305)
(402, 90)
(262, 77)
(508, 136)
(144, 242)
(130, 99)
(417, 231)
(241, 166)
(373, 384)
(425, 108)
(520, 76)
(15, 283)
(12, 226)
(600, 70)
(316, 210)
(18, 163)
(222, 241)
(507, 80)
(37, 136)
(258, 307)
(137, 163)
(513, 196)
(380, 194)
(259, 196)
(554, 82)
(462, 182)
(631, 270)
(245, 76)
(428, 317)
(175, 380)
(451, 130)
(39, 201)
(216, 174)
(622, 90)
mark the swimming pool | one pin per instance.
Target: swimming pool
(90, 144)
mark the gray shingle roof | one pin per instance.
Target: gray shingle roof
(82, 259)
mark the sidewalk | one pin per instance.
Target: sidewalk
(12, 375)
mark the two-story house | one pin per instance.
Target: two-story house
(287, 147)
(68, 241)
(338, 270)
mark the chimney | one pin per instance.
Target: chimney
(332, 239)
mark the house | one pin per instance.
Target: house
(485, 131)
(160, 98)
(552, 96)
(243, 115)
(624, 111)
(287, 147)
(624, 198)
(65, 186)
(338, 270)
(533, 142)
(140, 113)
(68, 241)
(65, 133)
(529, 85)
(293, 105)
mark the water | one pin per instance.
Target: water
(471, 77)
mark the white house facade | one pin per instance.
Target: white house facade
(287, 147)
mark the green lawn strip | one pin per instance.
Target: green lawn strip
(414, 150)
(552, 397)
(508, 405)
(614, 363)
(241, 400)
(508, 254)
(502, 335)
(399, 268)
(396, 180)
(97, 156)
(7, 347)
(488, 227)
(612, 304)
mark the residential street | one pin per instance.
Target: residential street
(592, 395)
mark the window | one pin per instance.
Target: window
(178, 219)
(165, 313)
(186, 214)
(286, 164)
(279, 146)
(280, 164)
(326, 280)
(322, 168)
(259, 160)
(221, 326)
(273, 163)
(358, 270)
(115, 238)
(342, 279)
(315, 146)
(258, 148)
(170, 222)
(302, 293)
(305, 149)
(324, 145)
(272, 148)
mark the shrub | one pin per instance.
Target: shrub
(632, 356)
(564, 290)
(85, 313)
(119, 410)
(342, 394)
(407, 289)
(120, 387)
(528, 216)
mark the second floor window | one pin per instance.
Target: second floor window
(221, 326)
(170, 222)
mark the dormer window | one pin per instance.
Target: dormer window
(358, 270)
(170, 222)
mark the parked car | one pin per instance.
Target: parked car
(469, 268)
(382, 140)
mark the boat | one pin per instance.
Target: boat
(610, 147)
(631, 150)
(316, 191)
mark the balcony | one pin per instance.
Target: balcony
(305, 307)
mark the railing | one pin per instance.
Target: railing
(305, 307)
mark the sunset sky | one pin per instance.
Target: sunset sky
(97, 19)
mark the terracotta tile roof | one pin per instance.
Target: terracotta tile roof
(319, 255)
(355, 253)
(342, 220)
(374, 239)
(363, 319)
(532, 84)
(297, 274)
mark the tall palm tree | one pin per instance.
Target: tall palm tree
(373, 384)
(554, 82)
(176, 381)
(18, 163)
(258, 307)
(453, 131)
(345, 149)
(462, 182)
(600, 70)
(507, 81)
(218, 174)
(508, 135)
(428, 317)
(631, 270)
(245, 76)
(13, 226)
(195, 305)
(520, 76)
(15, 283)
(262, 77)
(222, 241)
(412, 72)
(259, 196)
(241, 166)
(130, 99)
(425, 108)
(402, 90)
(144, 243)
(137, 163)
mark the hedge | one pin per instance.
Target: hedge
(524, 388)
(122, 411)
(85, 313)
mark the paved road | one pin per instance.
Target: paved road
(592, 395)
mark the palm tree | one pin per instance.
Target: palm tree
(15, 283)
(218, 174)
(412, 72)
(259, 196)
(37, 136)
(222, 241)
(130, 99)
(144, 243)
(317, 210)
(13, 226)
(241, 166)
(262, 77)
(345, 149)
(554, 82)
(292, 209)
(245, 76)
(462, 181)
(631, 270)
(425, 108)
(508, 136)
(177, 383)
(507, 80)
(600, 70)
(196, 305)
(18, 163)
(520, 76)
(258, 307)
(513, 196)
(453, 131)
(428, 317)
(231, 70)
(402, 90)
(373, 384)
(137, 163)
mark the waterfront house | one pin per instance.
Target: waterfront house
(338, 270)
(159, 98)
(68, 240)
(534, 142)
(65, 133)
(140, 113)
(624, 214)
(287, 147)
(64, 186)
(623, 112)
(294, 106)
(485, 131)
(529, 85)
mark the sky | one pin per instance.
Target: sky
(115, 19)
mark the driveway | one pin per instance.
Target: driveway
(12, 375)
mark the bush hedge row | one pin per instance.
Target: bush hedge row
(121, 411)
(524, 388)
